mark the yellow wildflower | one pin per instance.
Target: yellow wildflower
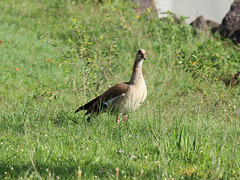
(124, 20)
(194, 63)
(137, 16)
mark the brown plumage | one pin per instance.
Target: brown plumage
(121, 98)
(97, 104)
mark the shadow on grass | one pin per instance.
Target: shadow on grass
(65, 171)
(64, 118)
(89, 169)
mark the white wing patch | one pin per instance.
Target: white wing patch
(111, 101)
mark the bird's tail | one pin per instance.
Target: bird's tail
(88, 105)
(79, 109)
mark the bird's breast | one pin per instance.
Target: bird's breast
(135, 96)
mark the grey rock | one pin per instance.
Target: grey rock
(230, 27)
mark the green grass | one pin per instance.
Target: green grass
(180, 132)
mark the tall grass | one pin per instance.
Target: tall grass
(57, 55)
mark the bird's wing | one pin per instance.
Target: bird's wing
(87, 105)
(102, 101)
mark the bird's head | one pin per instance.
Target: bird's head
(141, 55)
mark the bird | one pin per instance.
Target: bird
(122, 98)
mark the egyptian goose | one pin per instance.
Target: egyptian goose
(121, 98)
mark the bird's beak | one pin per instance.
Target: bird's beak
(144, 57)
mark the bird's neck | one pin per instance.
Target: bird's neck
(137, 76)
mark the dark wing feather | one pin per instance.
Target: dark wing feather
(112, 92)
(88, 105)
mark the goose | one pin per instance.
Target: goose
(121, 98)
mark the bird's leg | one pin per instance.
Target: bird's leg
(125, 118)
(117, 120)
(89, 119)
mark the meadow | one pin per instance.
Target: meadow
(56, 55)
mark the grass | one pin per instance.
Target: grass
(57, 55)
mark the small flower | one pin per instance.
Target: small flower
(137, 16)
(194, 63)
(125, 26)
(124, 20)
(17, 69)
(115, 45)
(107, 15)
(234, 107)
